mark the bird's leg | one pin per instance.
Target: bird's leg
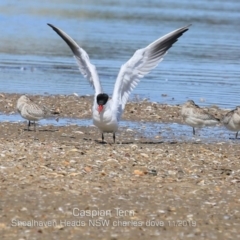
(34, 126)
(236, 135)
(114, 137)
(102, 138)
(29, 124)
(193, 131)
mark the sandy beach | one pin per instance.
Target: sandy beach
(61, 182)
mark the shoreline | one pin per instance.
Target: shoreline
(72, 106)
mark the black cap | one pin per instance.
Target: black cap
(102, 98)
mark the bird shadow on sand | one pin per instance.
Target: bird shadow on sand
(48, 130)
(132, 142)
(40, 130)
(29, 130)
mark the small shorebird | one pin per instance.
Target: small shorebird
(232, 120)
(195, 116)
(107, 112)
(32, 111)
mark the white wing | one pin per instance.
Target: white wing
(87, 69)
(140, 64)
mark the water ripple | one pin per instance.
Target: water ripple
(202, 65)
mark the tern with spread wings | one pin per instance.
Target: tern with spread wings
(107, 112)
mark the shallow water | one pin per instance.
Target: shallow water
(155, 131)
(203, 65)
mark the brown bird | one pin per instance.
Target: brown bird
(232, 120)
(195, 116)
(31, 111)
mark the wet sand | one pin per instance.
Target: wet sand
(52, 178)
(72, 106)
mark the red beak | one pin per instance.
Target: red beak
(100, 108)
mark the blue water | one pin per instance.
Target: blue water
(204, 65)
(157, 132)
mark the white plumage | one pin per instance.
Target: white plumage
(107, 113)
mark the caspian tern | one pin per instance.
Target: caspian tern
(32, 111)
(195, 116)
(232, 120)
(107, 112)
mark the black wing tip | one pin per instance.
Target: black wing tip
(50, 25)
(58, 31)
(70, 42)
(187, 26)
(53, 27)
(182, 31)
(168, 43)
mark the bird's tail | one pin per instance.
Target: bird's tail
(51, 112)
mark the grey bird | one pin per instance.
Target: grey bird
(232, 120)
(31, 111)
(195, 116)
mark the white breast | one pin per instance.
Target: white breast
(232, 122)
(107, 120)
